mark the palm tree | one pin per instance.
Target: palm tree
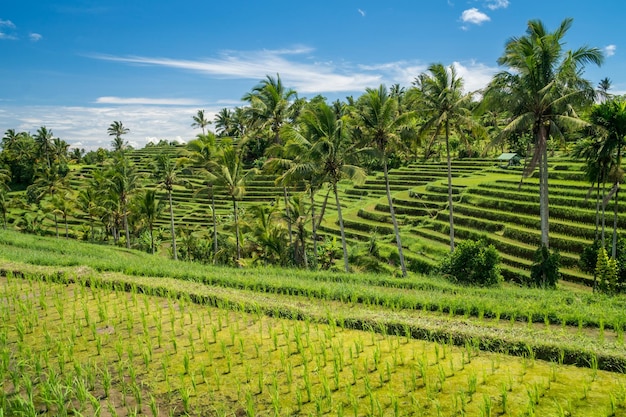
(445, 105)
(326, 147)
(381, 121)
(543, 86)
(166, 173)
(199, 120)
(49, 181)
(150, 208)
(88, 203)
(123, 179)
(43, 139)
(201, 154)
(267, 232)
(603, 89)
(270, 108)
(63, 204)
(229, 172)
(611, 117)
(117, 130)
(270, 104)
(224, 123)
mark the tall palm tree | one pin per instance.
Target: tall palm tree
(381, 120)
(123, 179)
(603, 89)
(48, 182)
(63, 204)
(611, 117)
(88, 202)
(270, 108)
(230, 173)
(201, 155)
(270, 103)
(117, 130)
(200, 120)
(326, 147)
(44, 140)
(166, 173)
(446, 107)
(150, 208)
(224, 122)
(543, 86)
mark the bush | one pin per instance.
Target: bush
(544, 271)
(606, 272)
(473, 263)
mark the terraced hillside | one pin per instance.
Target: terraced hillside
(490, 203)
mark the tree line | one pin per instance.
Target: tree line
(539, 99)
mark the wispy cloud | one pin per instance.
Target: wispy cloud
(474, 16)
(7, 37)
(148, 101)
(361, 12)
(609, 50)
(306, 77)
(6, 27)
(497, 4)
(35, 37)
(7, 24)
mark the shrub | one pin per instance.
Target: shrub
(473, 263)
(606, 272)
(544, 271)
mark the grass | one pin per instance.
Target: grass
(231, 362)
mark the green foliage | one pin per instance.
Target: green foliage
(544, 271)
(606, 272)
(589, 257)
(473, 263)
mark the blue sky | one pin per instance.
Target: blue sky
(76, 66)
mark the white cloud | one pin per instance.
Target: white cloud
(609, 50)
(7, 37)
(149, 101)
(497, 4)
(361, 12)
(35, 37)
(7, 24)
(87, 126)
(475, 74)
(474, 16)
(305, 77)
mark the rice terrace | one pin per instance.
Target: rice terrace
(414, 251)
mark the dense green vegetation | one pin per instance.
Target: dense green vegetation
(356, 185)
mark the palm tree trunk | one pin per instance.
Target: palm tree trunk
(67, 235)
(450, 208)
(151, 238)
(603, 234)
(236, 231)
(619, 163)
(598, 202)
(214, 225)
(343, 234)
(56, 225)
(393, 217)
(125, 217)
(543, 187)
(288, 213)
(313, 224)
(614, 247)
(172, 231)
